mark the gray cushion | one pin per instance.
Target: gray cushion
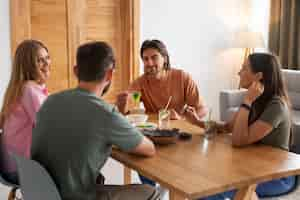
(296, 117)
(229, 99)
(230, 112)
(233, 97)
(292, 78)
(295, 99)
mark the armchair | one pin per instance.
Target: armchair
(230, 101)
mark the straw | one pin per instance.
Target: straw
(170, 98)
(209, 114)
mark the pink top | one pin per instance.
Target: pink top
(18, 125)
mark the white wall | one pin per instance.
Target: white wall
(5, 61)
(198, 35)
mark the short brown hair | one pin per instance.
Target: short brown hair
(93, 59)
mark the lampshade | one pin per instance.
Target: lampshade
(248, 39)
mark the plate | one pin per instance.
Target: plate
(162, 137)
(146, 125)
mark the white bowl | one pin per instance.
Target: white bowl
(137, 118)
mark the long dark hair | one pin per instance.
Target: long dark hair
(160, 47)
(272, 80)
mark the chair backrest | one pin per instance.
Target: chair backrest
(35, 182)
(292, 78)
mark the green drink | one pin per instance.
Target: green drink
(136, 96)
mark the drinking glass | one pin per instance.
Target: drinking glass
(136, 106)
(136, 97)
(209, 125)
(163, 119)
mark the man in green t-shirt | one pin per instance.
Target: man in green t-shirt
(76, 129)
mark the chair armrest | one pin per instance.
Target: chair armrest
(229, 101)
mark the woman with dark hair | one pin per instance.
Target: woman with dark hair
(159, 82)
(263, 117)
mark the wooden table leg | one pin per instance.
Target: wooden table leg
(175, 196)
(127, 175)
(246, 193)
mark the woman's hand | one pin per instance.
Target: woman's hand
(191, 115)
(254, 91)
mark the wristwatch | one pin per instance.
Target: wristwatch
(246, 106)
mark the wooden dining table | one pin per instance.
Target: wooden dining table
(200, 167)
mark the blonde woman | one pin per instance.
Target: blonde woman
(25, 93)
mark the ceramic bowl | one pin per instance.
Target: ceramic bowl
(137, 118)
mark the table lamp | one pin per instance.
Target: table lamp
(248, 40)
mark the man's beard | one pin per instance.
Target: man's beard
(153, 73)
(106, 88)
